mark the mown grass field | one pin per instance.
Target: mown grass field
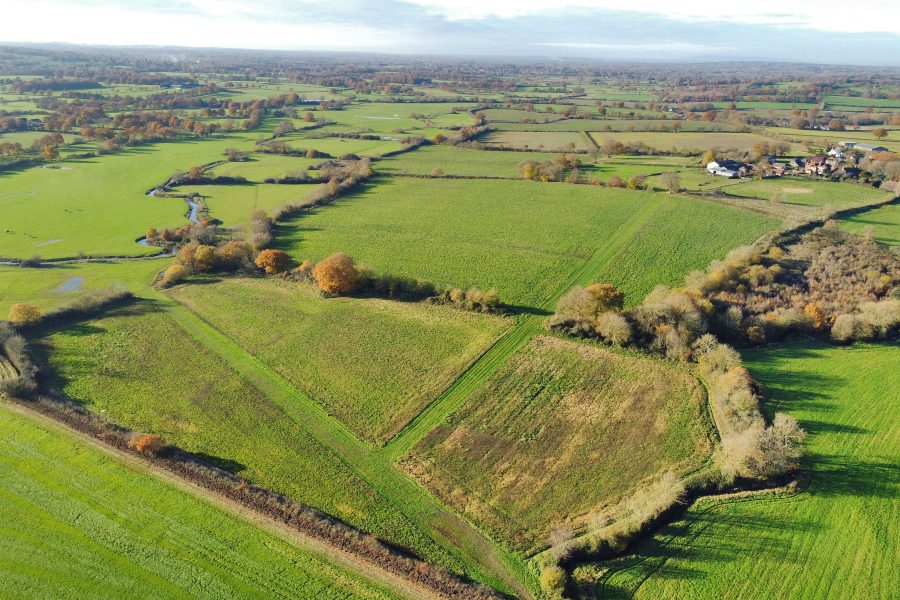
(561, 429)
(50, 287)
(838, 536)
(337, 147)
(373, 364)
(78, 524)
(139, 369)
(883, 224)
(97, 206)
(606, 125)
(522, 238)
(806, 192)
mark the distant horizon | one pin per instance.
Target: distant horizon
(524, 58)
(804, 32)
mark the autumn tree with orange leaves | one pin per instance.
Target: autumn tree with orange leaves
(336, 274)
(272, 261)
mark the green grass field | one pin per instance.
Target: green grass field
(232, 204)
(698, 140)
(806, 192)
(838, 536)
(139, 369)
(460, 162)
(522, 238)
(561, 429)
(79, 524)
(374, 364)
(883, 223)
(548, 141)
(260, 166)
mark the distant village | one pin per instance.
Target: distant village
(841, 161)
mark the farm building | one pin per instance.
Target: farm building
(817, 165)
(863, 147)
(728, 168)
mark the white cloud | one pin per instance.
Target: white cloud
(208, 24)
(825, 15)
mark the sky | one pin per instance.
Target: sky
(864, 32)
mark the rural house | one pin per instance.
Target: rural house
(817, 165)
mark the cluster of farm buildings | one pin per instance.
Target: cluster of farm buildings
(841, 160)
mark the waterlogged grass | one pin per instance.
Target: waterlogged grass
(50, 287)
(78, 524)
(560, 429)
(882, 223)
(371, 363)
(138, 368)
(684, 235)
(836, 538)
(522, 238)
(98, 206)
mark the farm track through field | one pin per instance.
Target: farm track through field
(363, 568)
(484, 558)
(528, 326)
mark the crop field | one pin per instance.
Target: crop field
(520, 237)
(458, 162)
(99, 205)
(693, 141)
(561, 429)
(550, 141)
(372, 363)
(77, 523)
(882, 223)
(678, 240)
(52, 286)
(139, 369)
(807, 192)
(837, 536)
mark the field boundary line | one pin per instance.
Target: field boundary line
(367, 570)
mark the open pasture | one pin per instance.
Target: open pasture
(548, 141)
(139, 369)
(387, 117)
(337, 147)
(607, 125)
(372, 363)
(883, 224)
(807, 192)
(561, 429)
(522, 238)
(824, 139)
(837, 536)
(78, 523)
(232, 204)
(260, 166)
(460, 162)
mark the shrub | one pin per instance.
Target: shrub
(553, 581)
(272, 261)
(173, 274)
(150, 444)
(24, 313)
(336, 274)
(614, 328)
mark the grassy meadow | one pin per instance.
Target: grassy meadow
(138, 368)
(693, 141)
(562, 428)
(522, 238)
(837, 536)
(882, 223)
(806, 192)
(548, 141)
(459, 162)
(79, 524)
(374, 364)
